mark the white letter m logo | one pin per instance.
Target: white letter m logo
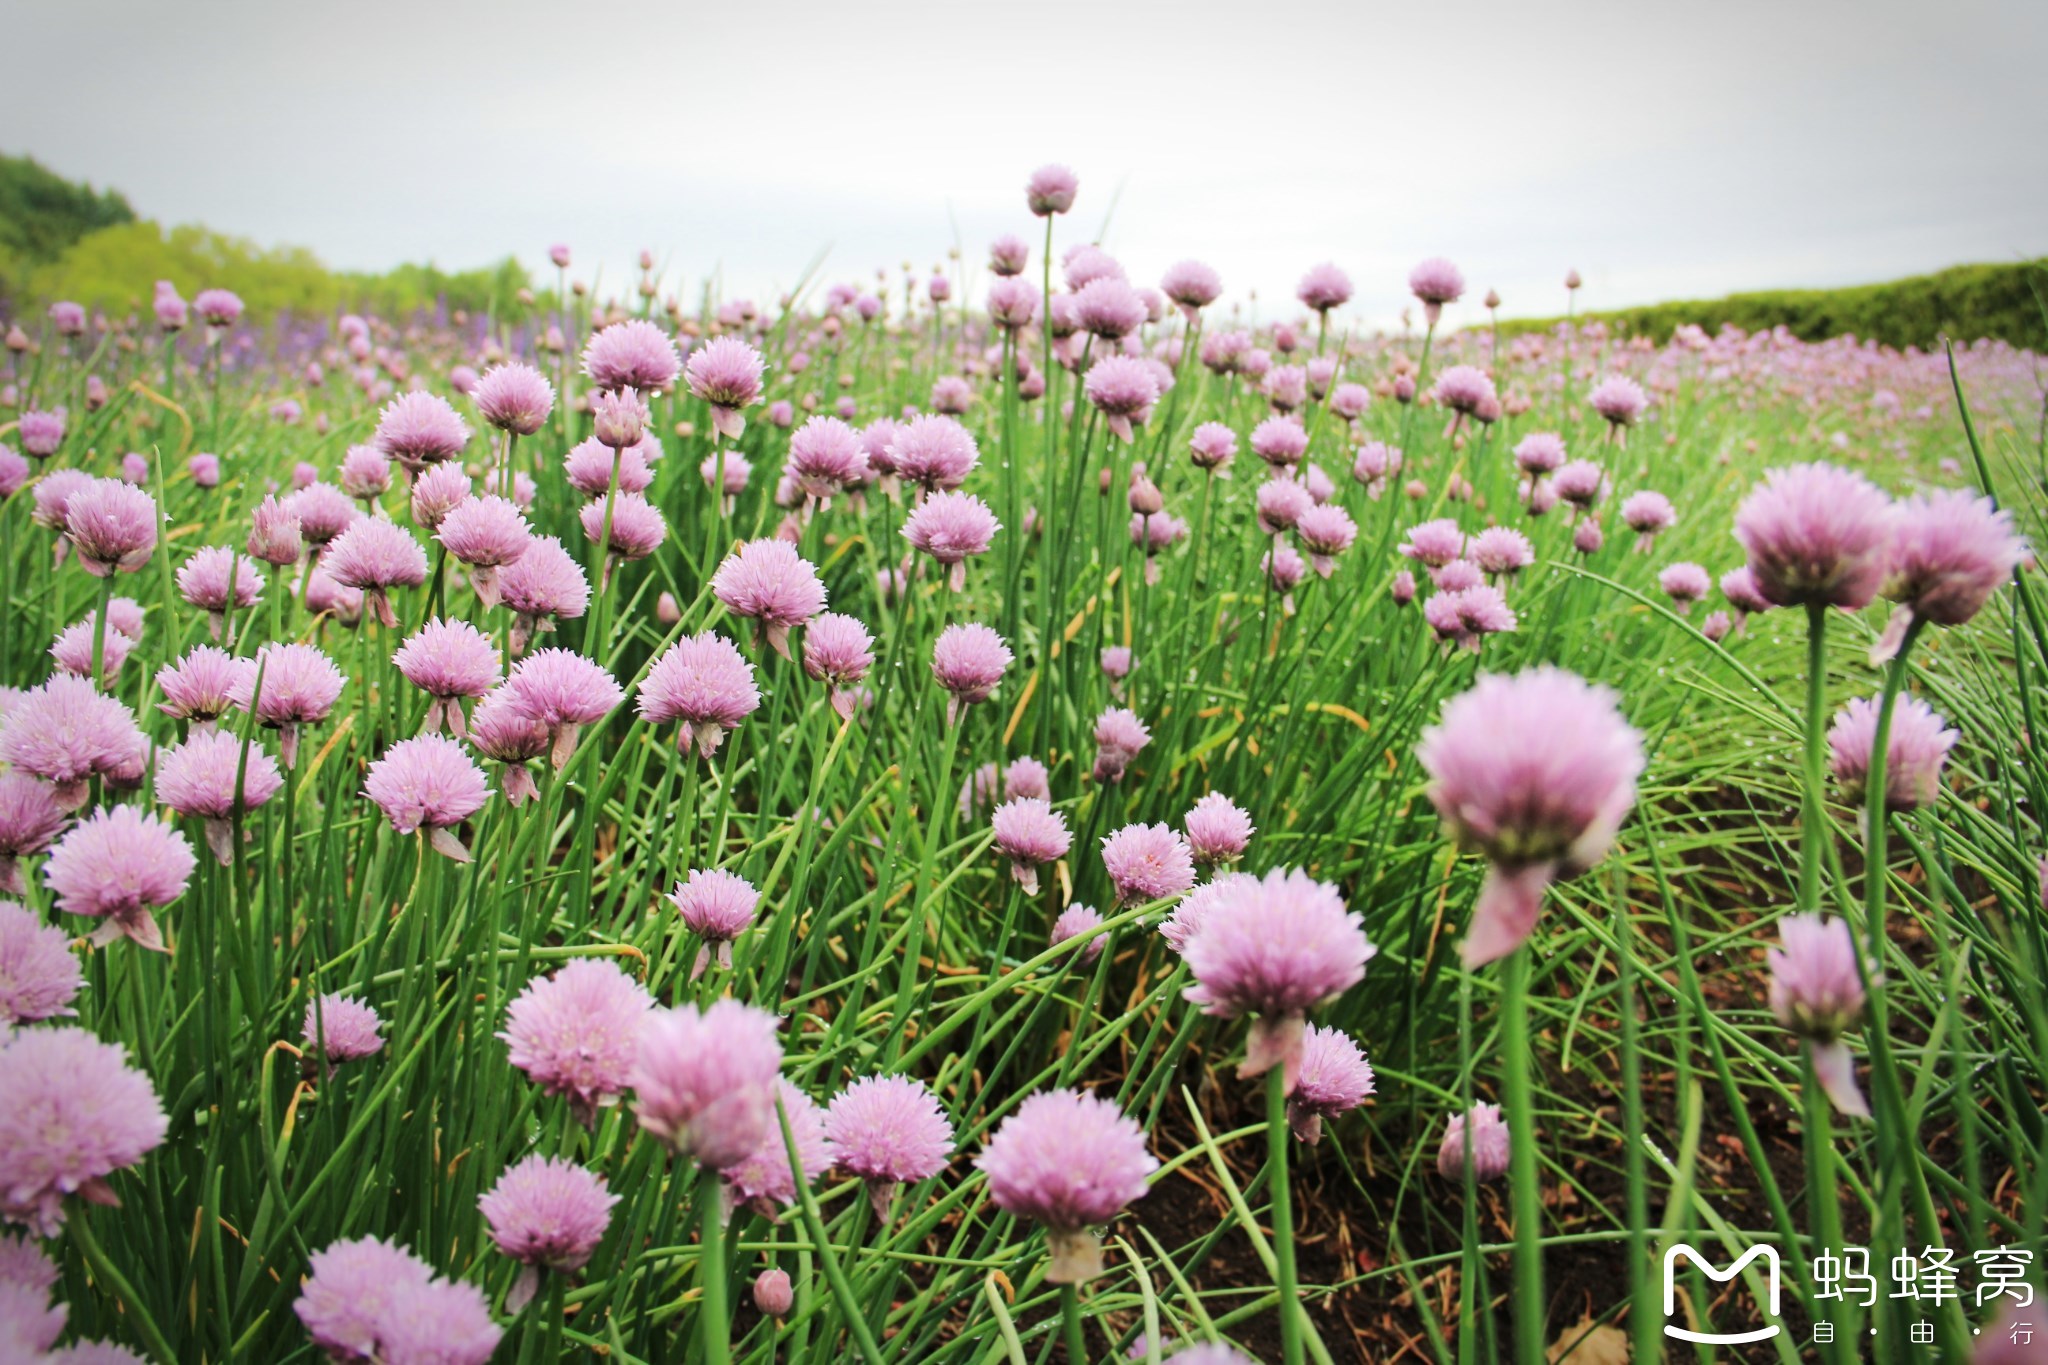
(1770, 1256)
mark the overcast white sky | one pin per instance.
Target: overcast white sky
(1666, 150)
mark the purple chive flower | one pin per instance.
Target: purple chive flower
(340, 1028)
(350, 1294)
(717, 907)
(1536, 772)
(365, 473)
(1324, 287)
(726, 471)
(73, 649)
(1073, 922)
(42, 433)
(838, 651)
(826, 458)
(439, 1322)
(1915, 752)
(1123, 389)
(1026, 777)
(1738, 585)
(1587, 537)
(1464, 389)
(1434, 543)
(515, 398)
(1951, 550)
(1335, 1079)
(1403, 588)
(768, 582)
(952, 394)
(113, 526)
(774, 1296)
(636, 527)
(1012, 303)
(1119, 738)
(1284, 569)
(705, 683)
(595, 469)
(1280, 442)
(430, 783)
(1716, 626)
(1620, 400)
(376, 556)
(540, 586)
(547, 1213)
(1117, 662)
(486, 533)
(448, 660)
(117, 866)
(1817, 535)
(418, 429)
(76, 1113)
(619, 420)
(219, 307)
(322, 512)
(704, 1081)
(439, 490)
(1275, 947)
(1051, 190)
(1436, 282)
(1279, 503)
(1107, 307)
(1326, 531)
(65, 732)
(1648, 513)
(501, 731)
(199, 778)
(1580, 483)
(30, 817)
(1376, 464)
(1488, 1145)
(298, 686)
(968, 660)
(217, 581)
(1218, 829)
(39, 974)
(950, 527)
(1539, 453)
(1817, 992)
(1068, 1161)
(15, 471)
(631, 355)
(932, 451)
(1008, 255)
(563, 691)
(764, 1179)
(1147, 863)
(726, 373)
(202, 686)
(1213, 446)
(1684, 583)
(1029, 832)
(1191, 284)
(274, 533)
(1501, 551)
(577, 1033)
(888, 1131)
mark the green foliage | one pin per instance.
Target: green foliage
(41, 214)
(1964, 302)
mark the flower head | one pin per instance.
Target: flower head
(1817, 992)
(274, 533)
(486, 533)
(717, 906)
(1280, 442)
(212, 777)
(1434, 543)
(1213, 446)
(288, 686)
(932, 451)
(631, 355)
(968, 660)
(1069, 1161)
(514, 397)
(889, 1131)
(1147, 862)
(375, 556)
(1817, 535)
(1191, 284)
(1030, 833)
(76, 1112)
(350, 1293)
(838, 651)
(1951, 550)
(726, 373)
(39, 974)
(341, 1028)
(1218, 829)
(577, 1032)
(1488, 1142)
(951, 527)
(112, 524)
(418, 429)
(439, 490)
(704, 1081)
(1619, 399)
(548, 1212)
(117, 866)
(428, 782)
(1335, 1079)
(322, 512)
(1051, 190)
(1324, 287)
(1119, 738)
(564, 691)
(1436, 282)
(1684, 583)
(1915, 751)
(542, 584)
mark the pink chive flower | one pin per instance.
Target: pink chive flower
(726, 373)
(1647, 513)
(595, 469)
(540, 586)
(1191, 284)
(1915, 752)
(1684, 583)
(1324, 287)
(1123, 389)
(1816, 991)
(322, 512)
(1218, 829)
(448, 660)
(1501, 551)
(1580, 483)
(547, 1213)
(1147, 863)
(39, 975)
(1030, 833)
(1074, 922)
(838, 651)
(1817, 535)
(217, 581)
(30, 817)
(1716, 625)
(717, 907)
(199, 780)
(1051, 190)
(1587, 538)
(219, 307)
(1068, 1161)
(112, 525)
(705, 683)
(1620, 400)
(1108, 308)
(968, 660)
(1212, 447)
(486, 533)
(340, 1028)
(1951, 550)
(42, 433)
(1375, 467)
(932, 451)
(418, 429)
(1188, 916)
(1026, 777)
(636, 527)
(1280, 442)
(563, 691)
(764, 1179)
(73, 651)
(376, 556)
(274, 533)
(1008, 255)
(1539, 453)
(201, 686)
(1276, 947)
(76, 1113)
(1465, 390)
(1535, 771)
(768, 582)
(1403, 588)
(704, 1081)
(430, 783)
(15, 471)
(65, 732)
(439, 490)
(577, 1033)
(619, 420)
(501, 731)
(1487, 1145)
(1738, 585)
(1012, 303)
(631, 355)
(1119, 738)
(118, 866)
(951, 527)
(1436, 282)
(1434, 543)
(290, 686)
(514, 398)
(888, 1131)
(1335, 1079)
(365, 473)
(1117, 662)
(1280, 503)
(1326, 531)
(349, 1295)
(826, 458)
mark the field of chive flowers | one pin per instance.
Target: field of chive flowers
(1007, 814)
